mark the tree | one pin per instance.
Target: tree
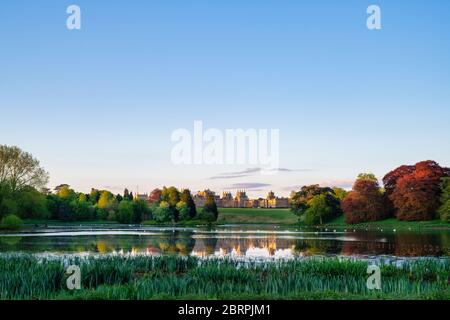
(162, 212)
(171, 195)
(444, 210)
(53, 205)
(127, 195)
(125, 212)
(365, 202)
(66, 193)
(106, 200)
(65, 212)
(322, 208)
(186, 197)
(20, 169)
(94, 196)
(367, 176)
(82, 210)
(141, 211)
(414, 191)
(155, 196)
(340, 193)
(11, 222)
(31, 204)
(183, 211)
(210, 212)
(300, 199)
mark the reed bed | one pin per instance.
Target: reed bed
(176, 277)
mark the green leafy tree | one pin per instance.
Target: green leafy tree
(300, 200)
(53, 205)
(186, 197)
(20, 169)
(340, 193)
(321, 209)
(65, 212)
(444, 210)
(94, 196)
(125, 212)
(31, 204)
(210, 212)
(106, 201)
(183, 210)
(11, 222)
(66, 193)
(171, 195)
(367, 176)
(82, 210)
(162, 212)
(141, 211)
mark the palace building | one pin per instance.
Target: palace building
(241, 200)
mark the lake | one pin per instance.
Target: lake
(235, 241)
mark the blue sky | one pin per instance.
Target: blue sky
(98, 105)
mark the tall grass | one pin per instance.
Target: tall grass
(144, 277)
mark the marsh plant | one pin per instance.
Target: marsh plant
(175, 277)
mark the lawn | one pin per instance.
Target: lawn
(256, 216)
(391, 222)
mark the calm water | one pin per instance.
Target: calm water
(228, 241)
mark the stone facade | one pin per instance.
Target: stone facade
(241, 200)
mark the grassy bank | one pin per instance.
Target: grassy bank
(263, 216)
(391, 223)
(174, 277)
(256, 216)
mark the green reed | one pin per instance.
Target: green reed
(172, 277)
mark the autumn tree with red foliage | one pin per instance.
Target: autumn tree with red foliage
(414, 191)
(155, 196)
(365, 202)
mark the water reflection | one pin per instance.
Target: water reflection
(229, 241)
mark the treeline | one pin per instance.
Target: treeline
(411, 193)
(64, 204)
(23, 196)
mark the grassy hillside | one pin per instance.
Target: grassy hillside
(270, 216)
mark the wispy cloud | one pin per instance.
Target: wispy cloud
(340, 183)
(250, 185)
(113, 188)
(250, 171)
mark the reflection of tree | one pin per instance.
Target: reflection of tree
(419, 244)
(368, 243)
(309, 247)
(10, 241)
(177, 243)
(207, 245)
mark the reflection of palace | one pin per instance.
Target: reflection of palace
(241, 200)
(246, 246)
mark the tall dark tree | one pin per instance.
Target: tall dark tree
(210, 211)
(94, 196)
(126, 194)
(186, 197)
